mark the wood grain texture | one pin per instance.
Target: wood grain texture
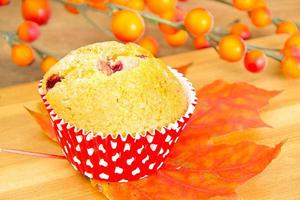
(25, 178)
(66, 31)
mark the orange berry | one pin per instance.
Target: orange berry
(241, 30)
(198, 21)
(22, 55)
(127, 25)
(36, 10)
(255, 61)
(231, 48)
(98, 4)
(169, 15)
(120, 2)
(286, 27)
(136, 4)
(292, 45)
(150, 43)
(260, 3)
(293, 41)
(161, 6)
(4, 2)
(177, 39)
(261, 16)
(47, 63)
(28, 31)
(200, 42)
(244, 4)
(290, 67)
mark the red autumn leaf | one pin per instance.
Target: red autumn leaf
(43, 120)
(196, 170)
(225, 107)
(211, 171)
(239, 95)
(183, 68)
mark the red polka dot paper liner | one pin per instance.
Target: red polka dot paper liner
(119, 158)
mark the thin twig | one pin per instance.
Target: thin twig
(98, 28)
(8, 36)
(223, 1)
(267, 52)
(235, 21)
(213, 43)
(12, 39)
(277, 20)
(82, 8)
(30, 153)
(43, 54)
(263, 48)
(149, 16)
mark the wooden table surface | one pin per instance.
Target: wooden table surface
(65, 32)
(23, 177)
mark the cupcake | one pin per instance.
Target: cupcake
(116, 109)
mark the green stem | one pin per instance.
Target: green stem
(91, 22)
(112, 7)
(148, 16)
(42, 54)
(277, 20)
(266, 51)
(12, 39)
(237, 20)
(82, 8)
(8, 36)
(212, 41)
(219, 32)
(214, 37)
(224, 2)
(263, 48)
(275, 57)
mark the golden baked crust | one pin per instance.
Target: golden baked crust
(144, 95)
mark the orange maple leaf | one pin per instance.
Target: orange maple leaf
(234, 106)
(42, 118)
(183, 68)
(198, 170)
(211, 171)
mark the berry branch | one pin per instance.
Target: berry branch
(276, 21)
(266, 51)
(82, 9)
(20, 48)
(9, 37)
(127, 25)
(12, 39)
(148, 16)
(214, 38)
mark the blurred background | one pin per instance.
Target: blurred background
(66, 31)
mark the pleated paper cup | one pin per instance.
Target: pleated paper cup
(119, 158)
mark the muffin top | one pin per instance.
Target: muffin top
(114, 88)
